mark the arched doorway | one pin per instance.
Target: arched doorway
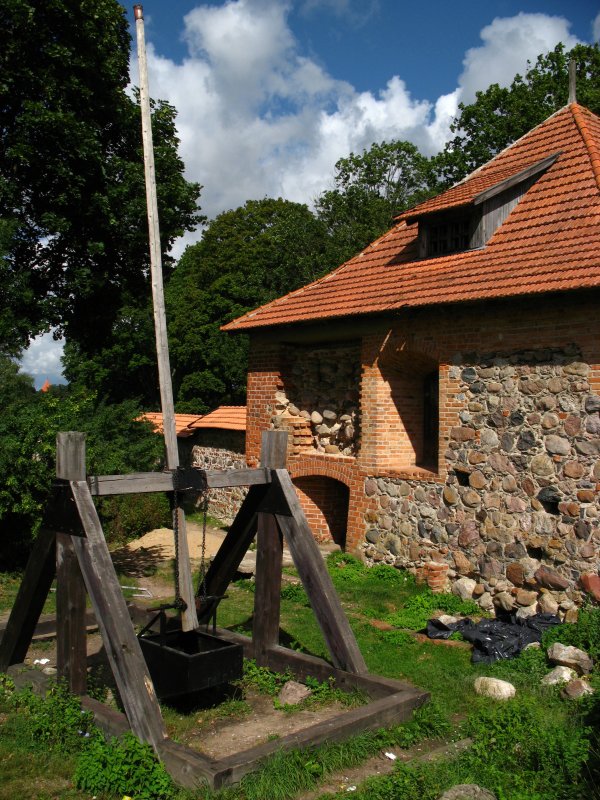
(325, 503)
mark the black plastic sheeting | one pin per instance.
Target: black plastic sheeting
(493, 639)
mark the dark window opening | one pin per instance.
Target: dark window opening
(448, 237)
(431, 423)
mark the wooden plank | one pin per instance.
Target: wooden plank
(133, 483)
(71, 634)
(388, 711)
(273, 449)
(279, 659)
(324, 600)
(121, 644)
(269, 557)
(221, 479)
(232, 550)
(46, 626)
(33, 591)
(110, 721)
(190, 768)
(71, 650)
(143, 482)
(267, 595)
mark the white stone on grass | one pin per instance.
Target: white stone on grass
(559, 675)
(494, 687)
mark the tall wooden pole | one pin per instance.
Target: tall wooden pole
(186, 587)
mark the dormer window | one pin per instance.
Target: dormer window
(454, 230)
(447, 232)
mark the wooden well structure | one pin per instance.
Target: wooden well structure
(71, 544)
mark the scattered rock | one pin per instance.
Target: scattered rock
(504, 600)
(464, 588)
(569, 656)
(548, 604)
(493, 687)
(293, 693)
(559, 675)
(576, 689)
(590, 582)
(550, 579)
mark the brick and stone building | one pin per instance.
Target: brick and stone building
(216, 440)
(442, 388)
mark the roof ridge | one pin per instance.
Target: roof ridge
(410, 212)
(512, 144)
(579, 115)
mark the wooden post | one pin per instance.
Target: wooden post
(30, 599)
(189, 620)
(121, 644)
(324, 600)
(269, 553)
(572, 81)
(71, 651)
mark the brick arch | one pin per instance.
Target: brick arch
(323, 485)
(325, 502)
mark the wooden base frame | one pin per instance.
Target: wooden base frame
(271, 512)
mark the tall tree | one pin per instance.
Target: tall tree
(500, 115)
(369, 190)
(72, 200)
(247, 257)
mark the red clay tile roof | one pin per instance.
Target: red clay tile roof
(549, 242)
(184, 423)
(232, 418)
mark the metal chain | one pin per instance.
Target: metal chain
(202, 577)
(178, 601)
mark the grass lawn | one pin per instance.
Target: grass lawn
(535, 747)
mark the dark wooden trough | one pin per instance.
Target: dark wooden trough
(181, 663)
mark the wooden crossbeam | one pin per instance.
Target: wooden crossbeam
(143, 482)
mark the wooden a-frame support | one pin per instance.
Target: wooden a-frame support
(72, 545)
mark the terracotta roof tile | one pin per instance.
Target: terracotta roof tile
(183, 422)
(232, 418)
(549, 242)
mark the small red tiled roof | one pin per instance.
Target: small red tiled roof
(232, 418)
(183, 422)
(549, 242)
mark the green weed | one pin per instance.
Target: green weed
(421, 607)
(584, 634)
(123, 766)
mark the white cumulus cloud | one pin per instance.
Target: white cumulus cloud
(257, 117)
(507, 46)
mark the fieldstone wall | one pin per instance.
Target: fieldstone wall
(516, 523)
(319, 401)
(221, 449)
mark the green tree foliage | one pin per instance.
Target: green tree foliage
(500, 115)
(369, 190)
(72, 200)
(115, 443)
(247, 257)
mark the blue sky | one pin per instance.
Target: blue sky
(271, 93)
